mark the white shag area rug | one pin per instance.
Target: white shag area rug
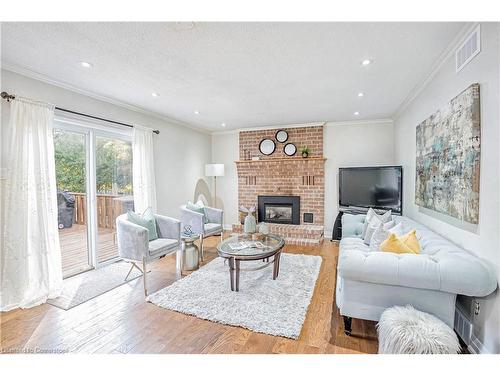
(405, 330)
(275, 307)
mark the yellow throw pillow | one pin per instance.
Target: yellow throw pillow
(410, 240)
(394, 244)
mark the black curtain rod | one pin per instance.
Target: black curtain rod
(10, 97)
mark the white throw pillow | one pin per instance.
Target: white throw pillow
(374, 224)
(382, 232)
(374, 219)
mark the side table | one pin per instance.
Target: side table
(188, 256)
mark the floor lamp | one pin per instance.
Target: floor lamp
(214, 170)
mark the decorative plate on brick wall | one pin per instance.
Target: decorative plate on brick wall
(281, 136)
(267, 146)
(290, 149)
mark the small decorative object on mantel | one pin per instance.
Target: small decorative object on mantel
(267, 146)
(281, 136)
(305, 151)
(250, 225)
(255, 158)
(263, 228)
(290, 149)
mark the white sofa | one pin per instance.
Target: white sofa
(370, 282)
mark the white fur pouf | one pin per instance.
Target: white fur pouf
(405, 330)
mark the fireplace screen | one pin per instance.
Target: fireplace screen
(281, 209)
(278, 213)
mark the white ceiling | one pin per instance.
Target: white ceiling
(242, 74)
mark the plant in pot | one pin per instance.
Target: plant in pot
(305, 151)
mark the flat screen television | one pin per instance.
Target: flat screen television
(376, 187)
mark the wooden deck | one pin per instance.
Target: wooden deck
(74, 249)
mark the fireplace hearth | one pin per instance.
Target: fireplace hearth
(280, 209)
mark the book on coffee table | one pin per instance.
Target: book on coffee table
(246, 244)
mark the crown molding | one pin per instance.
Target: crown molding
(360, 122)
(270, 127)
(43, 78)
(308, 124)
(438, 64)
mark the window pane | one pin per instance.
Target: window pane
(114, 191)
(70, 160)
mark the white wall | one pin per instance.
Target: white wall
(344, 145)
(482, 239)
(225, 150)
(180, 152)
(350, 144)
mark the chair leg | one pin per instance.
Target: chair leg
(144, 272)
(129, 271)
(202, 250)
(132, 266)
(222, 236)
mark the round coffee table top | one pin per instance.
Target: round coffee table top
(246, 246)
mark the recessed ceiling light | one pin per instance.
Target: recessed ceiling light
(360, 94)
(356, 113)
(223, 124)
(85, 64)
(366, 62)
(196, 112)
(155, 94)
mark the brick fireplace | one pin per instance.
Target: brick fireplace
(281, 176)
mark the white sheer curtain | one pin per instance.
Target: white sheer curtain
(143, 169)
(30, 254)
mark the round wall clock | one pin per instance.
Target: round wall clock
(267, 146)
(290, 149)
(281, 136)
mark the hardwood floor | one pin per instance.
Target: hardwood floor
(120, 321)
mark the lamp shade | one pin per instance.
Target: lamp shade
(214, 170)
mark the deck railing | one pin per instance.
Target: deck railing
(109, 207)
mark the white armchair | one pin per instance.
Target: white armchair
(213, 227)
(134, 245)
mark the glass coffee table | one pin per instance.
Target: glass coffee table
(262, 248)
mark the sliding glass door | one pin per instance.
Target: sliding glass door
(94, 182)
(70, 151)
(113, 189)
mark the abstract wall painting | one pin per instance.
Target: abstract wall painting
(448, 157)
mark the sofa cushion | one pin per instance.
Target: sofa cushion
(352, 225)
(161, 246)
(146, 220)
(395, 244)
(212, 228)
(353, 243)
(441, 265)
(410, 240)
(382, 233)
(372, 228)
(373, 220)
(198, 207)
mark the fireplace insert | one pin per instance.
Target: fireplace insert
(281, 209)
